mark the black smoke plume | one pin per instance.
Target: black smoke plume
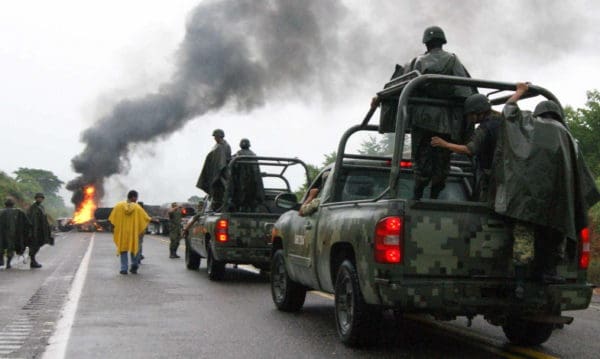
(235, 52)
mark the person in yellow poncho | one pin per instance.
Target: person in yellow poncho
(129, 220)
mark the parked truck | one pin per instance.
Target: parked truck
(376, 249)
(240, 235)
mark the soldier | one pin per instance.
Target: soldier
(246, 187)
(175, 216)
(245, 148)
(129, 221)
(213, 177)
(482, 145)
(543, 186)
(432, 164)
(14, 228)
(40, 233)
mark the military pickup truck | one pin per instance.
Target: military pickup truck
(376, 249)
(238, 233)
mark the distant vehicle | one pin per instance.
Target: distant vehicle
(232, 236)
(376, 249)
(64, 224)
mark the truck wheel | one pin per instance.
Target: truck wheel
(287, 295)
(214, 268)
(192, 258)
(357, 323)
(524, 332)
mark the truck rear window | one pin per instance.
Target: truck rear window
(367, 183)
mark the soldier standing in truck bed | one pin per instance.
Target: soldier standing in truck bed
(432, 164)
(213, 177)
(246, 187)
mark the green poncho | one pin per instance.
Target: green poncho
(540, 174)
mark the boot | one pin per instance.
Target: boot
(173, 254)
(34, 264)
(8, 259)
(519, 281)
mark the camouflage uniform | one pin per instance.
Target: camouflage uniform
(174, 230)
(246, 190)
(483, 146)
(432, 164)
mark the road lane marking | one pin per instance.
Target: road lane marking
(57, 344)
(477, 340)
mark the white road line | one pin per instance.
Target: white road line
(57, 344)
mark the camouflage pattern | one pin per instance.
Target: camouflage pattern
(523, 243)
(457, 257)
(309, 208)
(175, 216)
(214, 175)
(249, 237)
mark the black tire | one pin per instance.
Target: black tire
(287, 295)
(523, 332)
(192, 258)
(214, 268)
(357, 323)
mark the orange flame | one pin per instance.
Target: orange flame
(85, 211)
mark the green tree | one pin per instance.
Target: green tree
(313, 171)
(33, 180)
(194, 199)
(584, 124)
(378, 147)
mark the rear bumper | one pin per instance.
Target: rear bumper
(237, 255)
(463, 297)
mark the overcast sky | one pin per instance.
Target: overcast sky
(65, 64)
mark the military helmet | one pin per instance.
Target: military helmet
(218, 133)
(434, 32)
(39, 195)
(477, 103)
(9, 202)
(245, 143)
(548, 106)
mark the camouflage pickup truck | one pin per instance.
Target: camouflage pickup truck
(239, 234)
(376, 249)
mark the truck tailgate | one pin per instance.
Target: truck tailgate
(251, 230)
(455, 239)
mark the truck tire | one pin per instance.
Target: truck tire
(357, 323)
(287, 295)
(192, 258)
(214, 268)
(524, 332)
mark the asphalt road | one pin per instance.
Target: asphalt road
(80, 304)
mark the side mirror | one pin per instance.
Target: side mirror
(287, 201)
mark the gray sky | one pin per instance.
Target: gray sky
(64, 64)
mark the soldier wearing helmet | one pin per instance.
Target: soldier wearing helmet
(214, 175)
(432, 164)
(245, 148)
(246, 190)
(544, 187)
(478, 110)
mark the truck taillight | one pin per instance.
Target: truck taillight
(388, 240)
(221, 230)
(584, 248)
